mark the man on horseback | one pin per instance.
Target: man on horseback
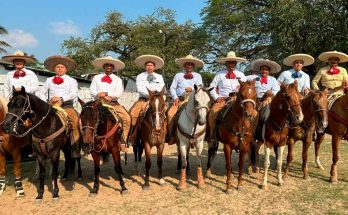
(182, 85)
(20, 77)
(144, 81)
(61, 92)
(333, 77)
(297, 62)
(107, 88)
(225, 87)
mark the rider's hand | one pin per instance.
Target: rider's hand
(108, 98)
(305, 91)
(55, 99)
(269, 92)
(101, 94)
(219, 100)
(176, 102)
(188, 89)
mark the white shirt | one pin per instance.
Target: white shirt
(30, 82)
(143, 84)
(114, 89)
(261, 89)
(180, 83)
(225, 86)
(68, 90)
(303, 81)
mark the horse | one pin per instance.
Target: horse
(314, 106)
(285, 112)
(100, 133)
(29, 115)
(338, 129)
(153, 133)
(191, 130)
(236, 131)
(10, 145)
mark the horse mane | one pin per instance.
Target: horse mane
(4, 103)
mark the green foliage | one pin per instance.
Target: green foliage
(3, 44)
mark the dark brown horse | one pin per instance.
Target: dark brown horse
(285, 112)
(100, 132)
(13, 146)
(153, 133)
(338, 128)
(237, 130)
(315, 118)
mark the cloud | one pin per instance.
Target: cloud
(66, 27)
(20, 39)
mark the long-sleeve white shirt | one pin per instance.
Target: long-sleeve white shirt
(180, 83)
(68, 90)
(225, 86)
(261, 89)
(303, 81)
(114, 89)
(143, 84)
(30, 82)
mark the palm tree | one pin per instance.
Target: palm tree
(3, 44)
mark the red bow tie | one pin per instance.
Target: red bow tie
(106, 79)
(334, 70)
(57, 80)
(19, 73)
(188, 76)
(230, 75)
(263, 80)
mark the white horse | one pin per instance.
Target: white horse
(191, 131)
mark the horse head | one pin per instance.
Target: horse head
(201, 102)
(89, 121)
(290, 98)
(247, 98)
(157, 108)
(320, 104)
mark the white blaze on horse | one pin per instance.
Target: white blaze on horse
(191, 131)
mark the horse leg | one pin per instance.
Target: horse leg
(241, 167)
(228, 153)
(96, 159)
(306, 143)
(280, 150)
(160, 149)
(2, 173)
(183, 151)
(211, 154)
(146, 185)
(42, 173)
(335, 147)
(67, 164)
(200, 177)
(179, 164)
(135, 152)
(55, 165)
(320, 139)
(266, 166)
(79, 170)
(17, 172)
(117, 160)
(289, 159)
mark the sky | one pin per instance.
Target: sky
(39, 27)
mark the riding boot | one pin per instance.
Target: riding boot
(182, 183)
(200, 178)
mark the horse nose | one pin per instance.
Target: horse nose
(6, 128)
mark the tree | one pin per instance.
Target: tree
(3, 44)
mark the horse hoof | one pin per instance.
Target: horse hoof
(124, 192)
(79, 178)
(64, 179)
(280, 184)
(240, 188)
(208, 173)
(20, 195)
(263, 187)
(92, 194)
(181, 188)
(319, 166)
(146, 187)
(228, 191)
(38, 201)
(55, 199)
(307, 178)
(333, 179)
(162, 182)
(285, 177)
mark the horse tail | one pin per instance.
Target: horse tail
(212, 151)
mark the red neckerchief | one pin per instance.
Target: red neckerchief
(57, 80)
(106, 79)
(263, 80)
(19, 73)
(188, 75)
(230, 75)
(334, 70)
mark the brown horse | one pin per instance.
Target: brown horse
(153, 133)
(315, 118)
(237, 129)
(338, 128)
(100, 132)
(13, 146)
(285, 112)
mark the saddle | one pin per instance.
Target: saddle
(333, 98)
(223, 112)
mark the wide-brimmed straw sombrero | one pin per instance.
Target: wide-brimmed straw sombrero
(189, 59)
(141, 60)
(51, 62)
(307, 59)
(20, 56)
(231, 56)
(100, 62)
(326, 55)
(257, 64)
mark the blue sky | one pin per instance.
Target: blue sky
(40, 26)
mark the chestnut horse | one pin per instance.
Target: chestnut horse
(315, 118)
(13, 146)
(100, 132)
(338, 128)
(285, 112)
(237, 130)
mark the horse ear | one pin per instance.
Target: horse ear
(296, 84)
(82, 103)
(162, 91)
(240, 82)
(283, 86)
(149, 91)
(195, 87)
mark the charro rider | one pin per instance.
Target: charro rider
(147, 80)
(108, 87)
(182, 85)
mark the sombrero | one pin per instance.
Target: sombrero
(307, 59)
(18, 55)
(257, 64)
(141, 60)
(52, 61)
(189, 59)
(231, 56)
(326, 55)
(99, 62)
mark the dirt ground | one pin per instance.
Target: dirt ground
(296, 196)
